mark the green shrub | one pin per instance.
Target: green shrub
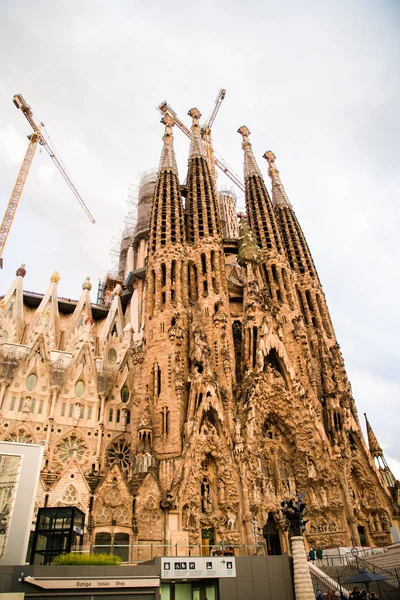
(87, 559)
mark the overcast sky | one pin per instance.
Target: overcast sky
(317, 82)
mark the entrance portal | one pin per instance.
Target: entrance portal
(271, 536)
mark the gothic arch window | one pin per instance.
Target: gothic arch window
(125, 394)
(31, 382)
(79, 388)
(119, 453)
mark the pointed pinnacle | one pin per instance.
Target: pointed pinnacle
(250, 164)
(168, 160)
(279, 195)
(373, 443)
(196, 144)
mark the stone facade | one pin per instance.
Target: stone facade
(207, 389)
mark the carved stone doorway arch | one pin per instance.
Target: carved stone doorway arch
(271, 536)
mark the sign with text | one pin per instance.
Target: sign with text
(58, 583)
(188, 567)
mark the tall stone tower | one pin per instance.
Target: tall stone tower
(206, 391)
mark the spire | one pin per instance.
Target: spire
(279, 195)
(261, 216)
(167, 224)
(202, 202)
(295, 243)
(196, 144)
(12, 307)
(250, 164)
(379, 459)
(168, 160)
(373, 443)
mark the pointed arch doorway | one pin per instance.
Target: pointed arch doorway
(271, 536)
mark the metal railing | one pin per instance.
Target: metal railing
(341, 567)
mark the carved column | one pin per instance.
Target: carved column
(303, 586)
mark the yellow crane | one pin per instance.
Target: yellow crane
(214, 158)
(34, 139)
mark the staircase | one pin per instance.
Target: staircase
(389, 560)
(388, 589)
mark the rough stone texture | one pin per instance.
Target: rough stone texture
(208, 391)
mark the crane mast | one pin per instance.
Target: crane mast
(34, 139)
(17, 191)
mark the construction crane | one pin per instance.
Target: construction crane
(34, 139)
(214, 158)
(207, 137)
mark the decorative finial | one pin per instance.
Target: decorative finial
(168, 160)
(55, 278)
(195, 114)
(196, 144)
(21, 272)
(279, 195)
(117, 290)
(250, 164)
(245, 132)
(86, 285)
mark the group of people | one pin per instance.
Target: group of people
(356, 593)
(363, 594)
(316, 554)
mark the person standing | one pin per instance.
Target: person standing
(320, 555)
(311, 556)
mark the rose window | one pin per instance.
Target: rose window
(119, 453)
(71, 447)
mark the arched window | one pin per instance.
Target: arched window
(121, 546)
(31, 382)
(124, 394)
(79, 388)
(102, 543)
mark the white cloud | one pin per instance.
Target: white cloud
(12, 147)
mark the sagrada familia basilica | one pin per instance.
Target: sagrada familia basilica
(209, 386)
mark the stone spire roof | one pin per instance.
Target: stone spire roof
(167, 223)
(373, 443)
(250, 163)
(202, 202)
(295, 243)
(168, 160)
(259, 208)
(279, 195)
(196, 143)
